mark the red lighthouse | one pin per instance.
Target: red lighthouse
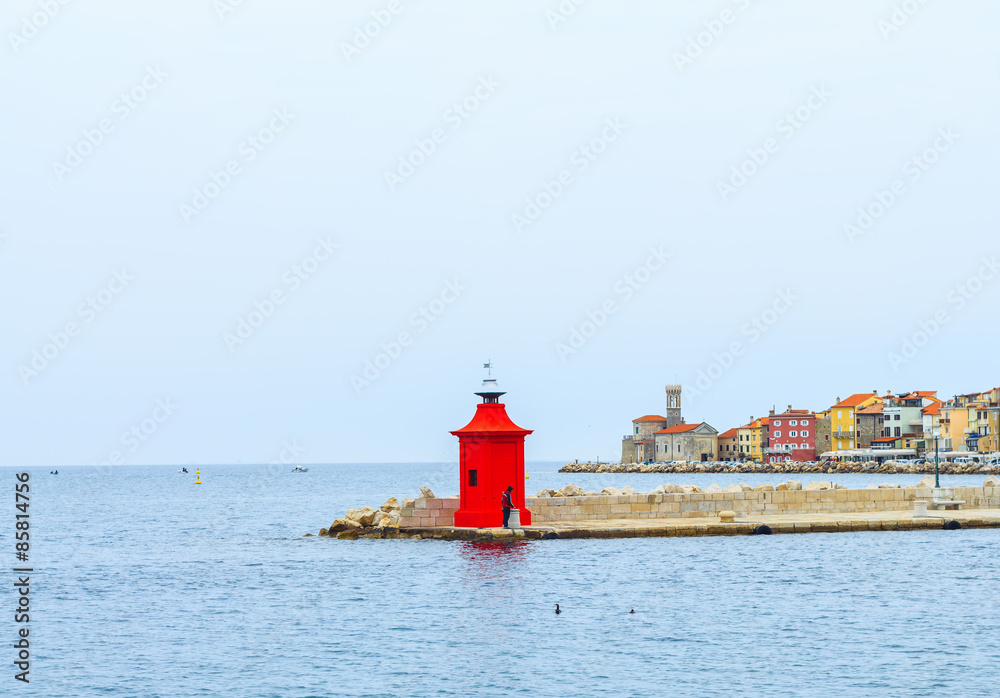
(491, 459)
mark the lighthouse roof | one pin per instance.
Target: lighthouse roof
(491, 417)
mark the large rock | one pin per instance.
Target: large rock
(991, 482)
(425, 492)
(735, 487)
(671, 488)
(628, 489)
(408, 503)
(926, 482)
(342, 525)
(793, 485)
(384, 521)
(781, 487)
(543, 493)
(364, 516)
(391, 504)
(713, 488)
(690, 489)
(571, 490)
(764, 488)
(815, 486)
(613, 491)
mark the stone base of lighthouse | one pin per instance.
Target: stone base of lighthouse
(487, 518)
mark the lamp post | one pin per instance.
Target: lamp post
(937, 483)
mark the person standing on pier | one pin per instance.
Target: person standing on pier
(506, 504)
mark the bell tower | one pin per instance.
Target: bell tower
(673, 412)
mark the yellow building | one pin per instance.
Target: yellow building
(844, 421)
(954, 426)
(756, 439)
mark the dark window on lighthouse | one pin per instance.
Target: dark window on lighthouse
(472, 478)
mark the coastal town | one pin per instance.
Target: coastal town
(865, 427)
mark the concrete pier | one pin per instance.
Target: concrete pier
(713, 526)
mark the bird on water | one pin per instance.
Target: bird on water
(557, 609)
(632, 611)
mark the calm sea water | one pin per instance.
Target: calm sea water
(149, 585)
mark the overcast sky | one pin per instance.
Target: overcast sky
(213, 215)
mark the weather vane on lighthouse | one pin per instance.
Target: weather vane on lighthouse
(489, 368)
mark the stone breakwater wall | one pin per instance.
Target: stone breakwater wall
(791, 467)
(668, 501)
(428, 512)
(754, 502)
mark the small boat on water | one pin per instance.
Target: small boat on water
(300, 469)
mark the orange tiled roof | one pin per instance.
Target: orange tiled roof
(932, 409)
(731, 434)
(855, 400)
(678, 429)
(650, 418)
(872, 409)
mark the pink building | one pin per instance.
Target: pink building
(792, 436)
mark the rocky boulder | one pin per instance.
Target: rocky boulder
(342, 525)
(991, 482)
(735, 487)
(628, 489)
(690, 489)
(426, 493)
(571, 490)
(408, 503)
(364, 516)
(764, 488)
(613, 491)
(713, 488)
(391, 504)
(815, 486)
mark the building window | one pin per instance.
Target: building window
(777, 434)
(473, 478)
(840, 414)
(777, 422)
(804, 433)
(896, 430)
(896, 417)
(794, 434)
(792, 422)
(840, 445)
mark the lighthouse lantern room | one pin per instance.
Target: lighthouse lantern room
(491, 459)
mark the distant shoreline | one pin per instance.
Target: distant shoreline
(790, 467)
